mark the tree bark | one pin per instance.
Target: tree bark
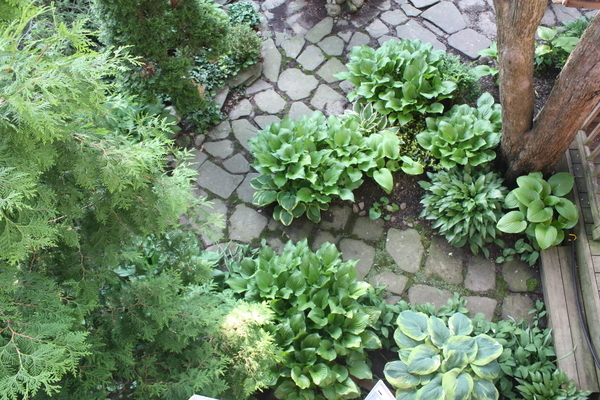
(573, 97)
(517, 22)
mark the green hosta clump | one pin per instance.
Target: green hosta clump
(305, 164)
(465, 205)
(326, 319)
(401, 79)
(543, 212)
(440, 360)
(465, 135)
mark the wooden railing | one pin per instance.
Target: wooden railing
(588, 142)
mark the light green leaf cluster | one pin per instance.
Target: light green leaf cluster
(465, 205)
(401, 79)
(465, 135)
(324, 315)
(556, 44)
(543, 211)
(307, 163)
(443, 360)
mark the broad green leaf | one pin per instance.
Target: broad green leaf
(485, 99)
(489, 371)
(512, 222)
(484, 390)
(461, 343)
(237, 284)
(530, 182)
(264, 197)
(526, 195)
(406, 394)
(424, 360)
(438, 331)
(457, 385)
(460, 324)
(264, 280)
(297, 323)
(403, 341)
(397, 375)
(357, 323)
(545, 33)
(286, 390)
(318, 373)
(312, 340)
(488, 349)
(346, 194)
(347, 389)
(455, 359)
(411, 167)
(350, 341)
(561, 183)
(545, 235)
(385, 179)
(296, 283)
(358, 289)
(360, 370)
(567, 209)
(301, 380)
(326, 350)
(317, 316)
(413, 324)
(370, 340)
(433, 390)
(538, 212)
(305, 194)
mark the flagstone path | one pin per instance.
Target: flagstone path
(296, 77)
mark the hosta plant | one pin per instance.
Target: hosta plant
(465, 135)
(543, 212)
(465, 205)
(326, 319)
(401, 79)
(443, 360)
(307, 163)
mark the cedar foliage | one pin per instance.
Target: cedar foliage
(165, 35)
(102, 293)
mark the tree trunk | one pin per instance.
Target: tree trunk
(517, 22)
(573, 97)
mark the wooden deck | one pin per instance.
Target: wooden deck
(557, 279)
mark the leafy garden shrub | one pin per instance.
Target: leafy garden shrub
(326, 320)
(528, 361)
(556, 44)
(306, 163)
(165, 35)
(467, 81)
(465, 135)
(465, 205)
(543, 211)
(89, 309)
(401, 79)
(243, 13)
(484, 70)
(443, 360)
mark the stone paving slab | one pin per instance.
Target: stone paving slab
(368, 229)
(469, 42)
(377, 29)
(332, 46)
(220, 149)
(246, 224)
(481, 275)
(516, 273)
(272, 60)
(293, 46)
(483, 305)
(358, 250)
(329, 101)
(393, 283)
(445, 261)
(311, 58)
(406, 248)
(445, 15)
(237, 164)
(242, 109)
(217, 180)
(412, 30)
(243, 130)
(298, 110)
(320, 30)
(396, 17)
(517, 306)
(220, 131)
(330, 68)
(296, 84)
(423, 294)
(270, 101)
(245, 192)
(263, 121)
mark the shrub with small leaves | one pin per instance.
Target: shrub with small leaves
(326, 319)
(243, 12)
(443, 360)
(543, 211)
(465, 135)
(465, 205)
(401, 79)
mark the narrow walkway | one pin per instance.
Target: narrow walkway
(295, 78)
